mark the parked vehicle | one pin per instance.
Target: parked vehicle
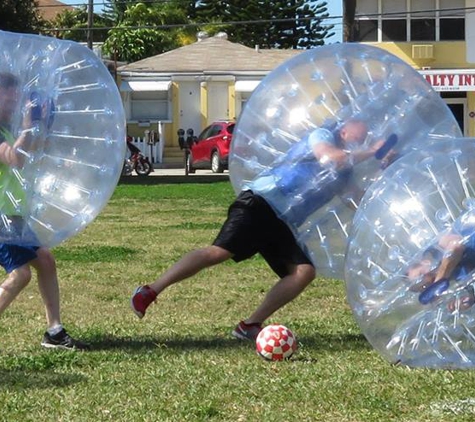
(139, 163)
(210, 150)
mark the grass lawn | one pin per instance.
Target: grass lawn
(180, 363)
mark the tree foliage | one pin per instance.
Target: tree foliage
(115, 9)
(147, 30)
(20, 16)
(271, 24)
(72, 25)
(141, 30)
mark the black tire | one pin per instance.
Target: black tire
(143, 168)
(216, 165)
(188, 166)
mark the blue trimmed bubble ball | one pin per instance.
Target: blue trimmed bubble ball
(320, 128)
(410, 263)
(62, 138)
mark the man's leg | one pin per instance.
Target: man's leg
(45, 266)
(55, 335)
(189, 265)
(286, 290)
(15, 282)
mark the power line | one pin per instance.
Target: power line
(256, 21)
(192, 24)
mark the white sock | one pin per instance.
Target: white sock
(55, 330)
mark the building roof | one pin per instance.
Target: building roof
(50, 8)
(211, 55)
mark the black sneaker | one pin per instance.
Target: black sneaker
(62, 340)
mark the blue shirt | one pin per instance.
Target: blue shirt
(299, 184)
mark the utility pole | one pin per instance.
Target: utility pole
(90, 22)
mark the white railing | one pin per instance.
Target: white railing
(152, 150)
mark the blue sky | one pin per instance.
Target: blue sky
(334, 9)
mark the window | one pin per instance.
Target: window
(422, 20)
(410, 20)
(366, 25)
(394, 30)
(366, 30)
(215, 130)
(206, 133)
(149, 105)
(452, 22)
(394, 25)
(452, 29)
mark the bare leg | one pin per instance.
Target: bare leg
(286, 289)
(192, 263)
(15, 282)
(45, 266)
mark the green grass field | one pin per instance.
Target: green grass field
(180, 363)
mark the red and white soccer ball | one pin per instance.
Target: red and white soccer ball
(276, 342)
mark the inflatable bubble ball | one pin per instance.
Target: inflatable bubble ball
(62, 138)
(320, 128)
(410, 263)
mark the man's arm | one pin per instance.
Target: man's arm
(453, 251)
(12, 154)
(328, 154)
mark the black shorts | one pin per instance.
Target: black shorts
(253, 227)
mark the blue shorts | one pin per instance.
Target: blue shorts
(14, 256)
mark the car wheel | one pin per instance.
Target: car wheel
(216, 166)
(189, 167)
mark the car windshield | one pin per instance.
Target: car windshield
(231, 128)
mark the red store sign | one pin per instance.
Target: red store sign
(448, 80)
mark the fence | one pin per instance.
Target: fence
(153, 151)
(152, 143)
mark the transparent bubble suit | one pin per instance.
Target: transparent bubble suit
(325, 87)
(78, 145)
(402, 220)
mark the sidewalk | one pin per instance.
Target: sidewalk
(181, 172)
(174, 175)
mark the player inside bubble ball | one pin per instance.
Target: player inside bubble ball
(318, 168)
(452, 259)
(18, 260)
(252, 225)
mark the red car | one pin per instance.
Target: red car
(210, 150)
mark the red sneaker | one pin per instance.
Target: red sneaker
(142, 297)
(245, 331)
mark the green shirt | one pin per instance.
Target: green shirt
(12, 191)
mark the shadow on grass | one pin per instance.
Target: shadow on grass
(139, 343)
(171, 179)
(337, 342)
(22, 379)
(317, 342)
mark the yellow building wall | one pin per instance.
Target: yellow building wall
(204, 104)
(232, 100)
(446, 55)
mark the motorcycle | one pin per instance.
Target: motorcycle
(138, 163)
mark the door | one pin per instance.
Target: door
(458, 108)
(218, 101)
(190, 113)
